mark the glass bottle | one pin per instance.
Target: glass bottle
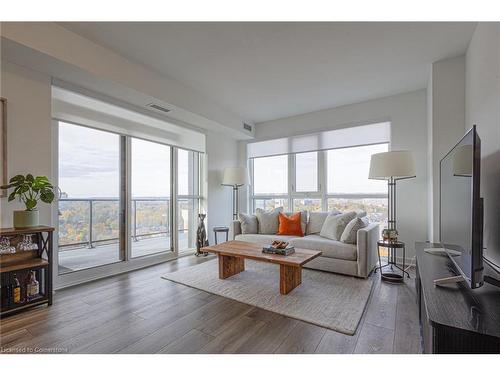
(32, 286)
(16, 290)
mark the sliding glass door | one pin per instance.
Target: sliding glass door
(119, 195)
(90, 200)
(150, 224)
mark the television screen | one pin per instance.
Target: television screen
(461, 209)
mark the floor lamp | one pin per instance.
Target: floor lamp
(235, 177)
(392, 166)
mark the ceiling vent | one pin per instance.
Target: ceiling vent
(247, 127)
(158, 107)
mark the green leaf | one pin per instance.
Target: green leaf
(30, 204)
(12, 196)
(47, 196)
(23, 189)
(30, 178)
(17, 179)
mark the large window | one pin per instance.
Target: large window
(113, 185)
(320, 180)
(306, 172)
(347, 171)
(89, 206)
(150, 179)
(271, 175)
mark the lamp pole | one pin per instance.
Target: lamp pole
(235, 202)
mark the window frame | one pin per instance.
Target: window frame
(321, 193)
(127, 262)
(197, 165)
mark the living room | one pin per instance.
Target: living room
(264, 187)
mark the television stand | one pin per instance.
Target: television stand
(491, 280)
(455, 318)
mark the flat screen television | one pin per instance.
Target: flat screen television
(461, 208)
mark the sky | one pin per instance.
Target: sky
(89, 165)
(347, 172)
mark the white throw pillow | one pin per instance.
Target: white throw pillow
(350, 234)
(316, 221)
(268, 220)
(334, 225)
(249, 224)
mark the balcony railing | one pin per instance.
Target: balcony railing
(90, 221)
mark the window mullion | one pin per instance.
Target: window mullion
(173, 202)
(322, 176)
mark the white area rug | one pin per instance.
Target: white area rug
(333, 301)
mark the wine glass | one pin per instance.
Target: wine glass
(5, 247)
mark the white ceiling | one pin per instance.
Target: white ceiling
(264, 71)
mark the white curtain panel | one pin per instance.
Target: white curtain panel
(326, 140)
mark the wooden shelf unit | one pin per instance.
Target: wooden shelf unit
(23, 261)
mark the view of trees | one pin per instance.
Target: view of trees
(152, 218)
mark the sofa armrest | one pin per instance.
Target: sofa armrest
(367, 248)
(234, 229)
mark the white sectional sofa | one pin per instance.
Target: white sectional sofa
(349, 259)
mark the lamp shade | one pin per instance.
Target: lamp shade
(235, 176)
(392, 164)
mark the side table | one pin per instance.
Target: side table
(221, 230)
(392, 276)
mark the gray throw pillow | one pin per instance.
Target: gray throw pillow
(268, 220)
(350, 234)
(303, 219)
(249, 224)
(317, 219)
(334, 225)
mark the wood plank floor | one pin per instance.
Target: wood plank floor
(139, 312)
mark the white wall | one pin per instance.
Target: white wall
(408, 116)
(446, 125)
(483, 109)
(221, 152)
(29, 131)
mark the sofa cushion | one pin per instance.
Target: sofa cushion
(263, 239)
(350, 233)
(329, 248)
(268, 220)
(249, 224)
(303, 219)
(316, 220)
(334, 225)
(290, 225)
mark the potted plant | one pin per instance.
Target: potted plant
(29, 190)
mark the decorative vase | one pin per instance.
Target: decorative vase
(26, 219)
(201, 236)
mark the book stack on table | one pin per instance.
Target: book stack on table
(273, 250)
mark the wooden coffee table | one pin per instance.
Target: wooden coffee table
(232, 255)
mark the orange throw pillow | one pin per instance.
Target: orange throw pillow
(290, 225)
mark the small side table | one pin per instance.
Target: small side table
(221, 230)
(392, 247)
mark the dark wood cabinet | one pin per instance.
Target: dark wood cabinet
(455, 318)
(21, 263)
